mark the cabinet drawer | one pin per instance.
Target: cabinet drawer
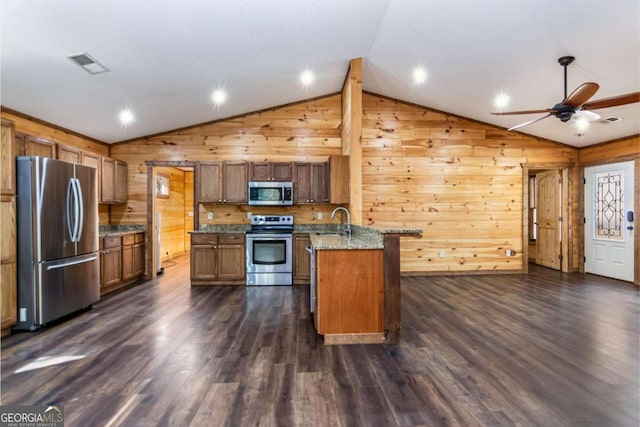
(231, 239)
(139, 238)
(127, 239)
(112, 242)
(204, 239)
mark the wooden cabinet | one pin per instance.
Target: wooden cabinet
(110, 263)
(39, 147)
(350, 296)
(234, 182)
(8, 152)
(122, 261)
(69, 154)
(310, 183)
(301, 267)
(222, 182)
(218, 259)
(268, 171)
(210, 182)
(231, 257)
(8, 264)
(113, 180)
(339, 180)
(8, 248)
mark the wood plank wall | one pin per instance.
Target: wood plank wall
(459, 180)
(173, 211)
(352, 135)
(189, 210)
(305, 131)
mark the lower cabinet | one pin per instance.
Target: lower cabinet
(301, 267)
(121, 261)
(218, 259)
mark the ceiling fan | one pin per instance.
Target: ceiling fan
(575, 102)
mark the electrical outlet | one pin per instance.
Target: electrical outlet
(319, 215)
(249, 215)
(23, 314)
(209, 215)
(441, 254)
(510, 252)
(190, 213)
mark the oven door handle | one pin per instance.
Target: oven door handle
(268, 236)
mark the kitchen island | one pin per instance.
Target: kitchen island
(357, 285)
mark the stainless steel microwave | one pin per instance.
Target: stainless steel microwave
(270, 193)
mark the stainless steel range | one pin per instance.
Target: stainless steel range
(270, 250)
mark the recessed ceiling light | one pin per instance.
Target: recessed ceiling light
(219, 96)
(501, 101)
(307, 77)
(126, 116)
(419, 75)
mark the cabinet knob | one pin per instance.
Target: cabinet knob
(225, 200)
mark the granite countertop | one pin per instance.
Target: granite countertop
(321, 241)
(323, 236)
(119, 230)
(222, 228)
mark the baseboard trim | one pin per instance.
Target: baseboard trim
(339, 339)
(460, 273)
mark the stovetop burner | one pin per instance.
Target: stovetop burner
(275, 223)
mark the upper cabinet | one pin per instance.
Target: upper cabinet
(114, 181)
(222, 182)
(39, 147)
(267, 171)
(310, 183)
(69, 154)
(7, 154)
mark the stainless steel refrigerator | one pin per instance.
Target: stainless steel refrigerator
(57, 223)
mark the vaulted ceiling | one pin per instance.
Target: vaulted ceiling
(166, 58)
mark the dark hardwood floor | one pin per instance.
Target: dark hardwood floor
(546, 349)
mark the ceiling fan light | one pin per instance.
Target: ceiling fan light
(582, 124)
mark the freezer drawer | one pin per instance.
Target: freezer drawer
(58, 288)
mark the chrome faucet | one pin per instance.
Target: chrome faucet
(340, 208)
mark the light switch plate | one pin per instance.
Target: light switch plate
(319, 215)
(441, 254)
(190, 213)
(209, 215)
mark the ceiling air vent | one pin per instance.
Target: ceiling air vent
(610, 119)
(87, 63)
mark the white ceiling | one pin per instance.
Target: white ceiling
(166, 57)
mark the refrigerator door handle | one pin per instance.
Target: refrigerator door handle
(67, 264)
(80, 201)
(70, 199)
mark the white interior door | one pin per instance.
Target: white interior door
(608, 233)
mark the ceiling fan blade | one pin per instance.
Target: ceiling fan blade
(544, 110)
(582, 94)
(614, 101)
(529, 122)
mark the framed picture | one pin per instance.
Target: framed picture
(162, 186)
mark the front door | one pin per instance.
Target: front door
(548, 221)
(608, 230)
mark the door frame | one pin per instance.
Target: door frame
(151, 208)
(636, 209)
(566, 226)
